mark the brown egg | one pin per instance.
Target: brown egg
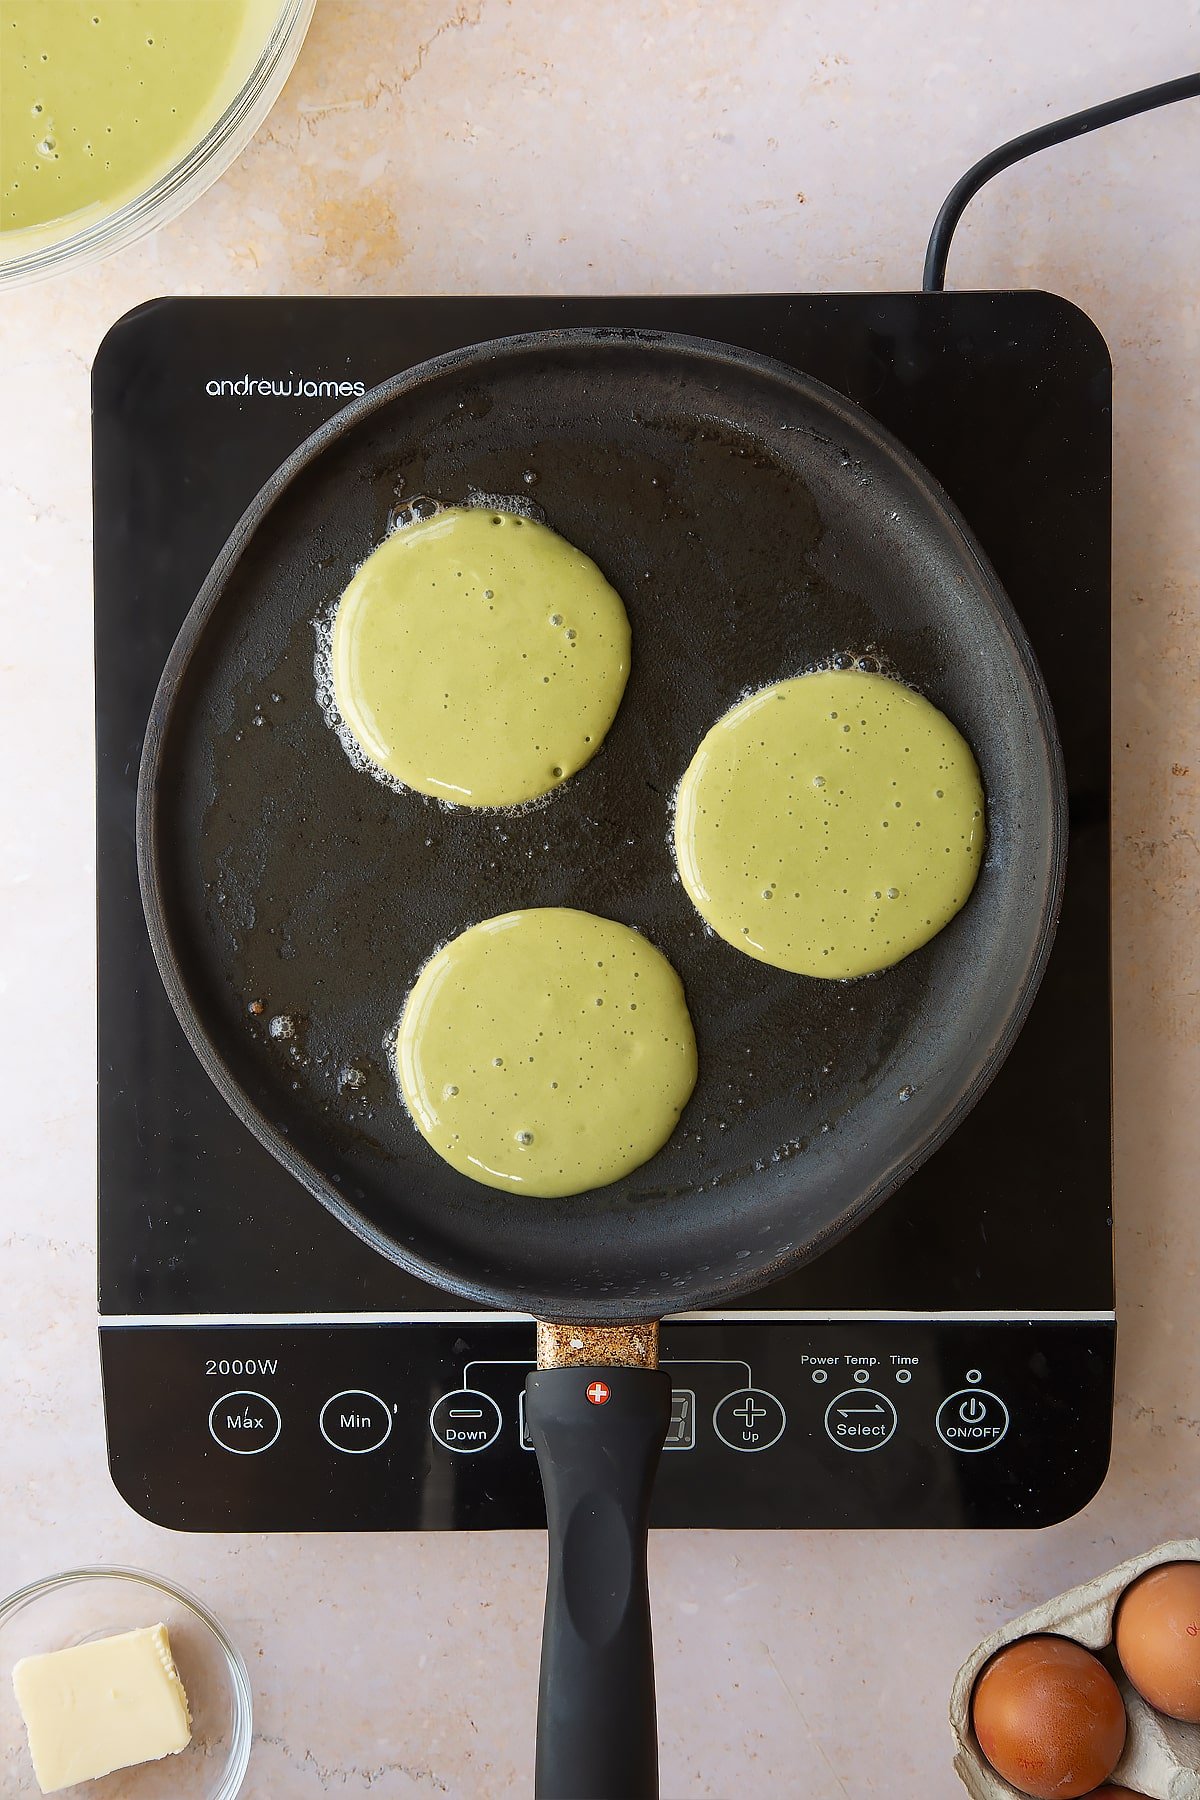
(1158, 1638)
(1049, 1718)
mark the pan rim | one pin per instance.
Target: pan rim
(491, 354)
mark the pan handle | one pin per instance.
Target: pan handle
(598, 1432)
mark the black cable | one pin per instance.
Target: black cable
(1186, 87)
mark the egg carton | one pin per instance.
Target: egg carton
(1161, 1758)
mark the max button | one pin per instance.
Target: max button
(972, 1420)
(465, 1421)
(244, 1422)
(750, 1419)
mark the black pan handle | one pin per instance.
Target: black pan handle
(598, 1433)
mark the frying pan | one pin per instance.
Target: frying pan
(756, 524)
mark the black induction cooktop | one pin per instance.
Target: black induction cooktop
(950, 1362)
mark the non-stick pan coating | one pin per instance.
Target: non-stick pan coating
(755, 524)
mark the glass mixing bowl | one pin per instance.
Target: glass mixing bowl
(37, 251)
(84, 1604)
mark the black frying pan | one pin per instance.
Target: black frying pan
(755, 523)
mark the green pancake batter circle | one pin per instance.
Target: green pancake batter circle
(831, 824)
(479, 658)
(546, 1052)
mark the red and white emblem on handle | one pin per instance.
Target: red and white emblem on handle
(598, 1392)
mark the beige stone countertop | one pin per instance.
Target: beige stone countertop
(629, 146)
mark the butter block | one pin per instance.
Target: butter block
(102, 1706)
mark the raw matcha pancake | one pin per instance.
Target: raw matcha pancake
(479, 657)
(98, 98)
(549, 1051)
(830, 825)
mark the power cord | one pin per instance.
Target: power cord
(1186, 87)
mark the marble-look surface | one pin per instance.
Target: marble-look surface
(629, 145)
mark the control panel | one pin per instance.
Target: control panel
(774, 1423)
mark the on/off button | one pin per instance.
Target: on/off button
(972, 1420)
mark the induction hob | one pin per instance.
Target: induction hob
(951, 1361)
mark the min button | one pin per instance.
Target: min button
(355, 1421)
(244, 1422)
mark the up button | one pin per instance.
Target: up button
(749, 1419)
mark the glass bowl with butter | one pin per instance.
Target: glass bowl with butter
(117, 114)
(62, 1708)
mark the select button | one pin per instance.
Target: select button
(244, 1422)
(356, 1421)
(861, 1419)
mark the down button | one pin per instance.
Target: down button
(465, 1421)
